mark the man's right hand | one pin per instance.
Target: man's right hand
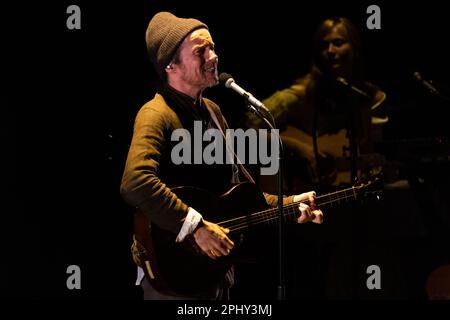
(213, 240)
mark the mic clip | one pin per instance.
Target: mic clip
(352, 88)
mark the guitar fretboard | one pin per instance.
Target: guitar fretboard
(290, 211)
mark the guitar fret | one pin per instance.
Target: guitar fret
(345, 197)
(335, 197)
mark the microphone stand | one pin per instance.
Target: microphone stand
(281, 289)
(354, 132)
(353, 142)
(353, 113)
(440, 96)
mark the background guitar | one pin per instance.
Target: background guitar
(302, 169)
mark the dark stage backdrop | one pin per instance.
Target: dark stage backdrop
(71, 100)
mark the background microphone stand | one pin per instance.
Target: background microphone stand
(281, 290)
(355, 131)
(353, 140)
(353, 119)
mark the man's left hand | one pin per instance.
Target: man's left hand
(308, 212)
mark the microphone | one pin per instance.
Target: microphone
(228, 81)
(345, 83)
(425, 83)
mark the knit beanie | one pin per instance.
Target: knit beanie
(164, 35)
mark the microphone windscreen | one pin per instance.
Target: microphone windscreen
(224, 77)
(417, 76)
(342, 81)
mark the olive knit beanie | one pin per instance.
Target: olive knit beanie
(164, 35)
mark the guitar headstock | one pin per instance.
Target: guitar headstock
(370, 188)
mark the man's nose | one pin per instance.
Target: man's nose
(212, 55)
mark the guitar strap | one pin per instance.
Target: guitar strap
(229, 149)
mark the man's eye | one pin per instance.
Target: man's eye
(200, 51)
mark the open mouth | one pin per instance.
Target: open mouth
(211, 69)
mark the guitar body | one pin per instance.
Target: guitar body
(182, 268)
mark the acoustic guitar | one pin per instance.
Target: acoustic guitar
(182, 268)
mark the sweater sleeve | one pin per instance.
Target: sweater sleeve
(279, 104)
(272, 200)
(141, 187)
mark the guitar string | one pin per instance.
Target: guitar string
(333, 197)
(318, 199)
(272, 214)
(269, 217)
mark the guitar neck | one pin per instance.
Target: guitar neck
(337, 197)
(290, 211)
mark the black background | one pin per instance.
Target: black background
(72, 96)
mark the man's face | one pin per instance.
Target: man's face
(337, 52)
(197, 68)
